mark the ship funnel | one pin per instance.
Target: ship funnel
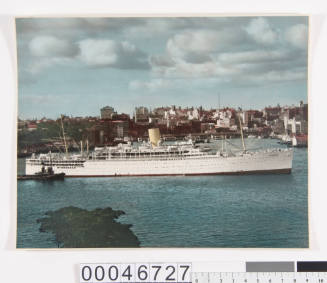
(154, 136)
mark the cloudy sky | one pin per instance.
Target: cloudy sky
(75, 66)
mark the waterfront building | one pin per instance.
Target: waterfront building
(245, 117)
(303, 111)
(160, 111)
(294, 126)
(31, 127)
(107, 112)
(208, 128)
(223, 123)
(141, 114)
(122, 117)
(120, 128)
(272, 113)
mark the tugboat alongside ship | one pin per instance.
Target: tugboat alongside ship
(45, 175)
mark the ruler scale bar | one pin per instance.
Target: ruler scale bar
(259, 277)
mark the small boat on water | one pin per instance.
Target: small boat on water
(285, 139)
(300, 140)
(44, 175)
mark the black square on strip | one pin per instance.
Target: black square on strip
(311, 266)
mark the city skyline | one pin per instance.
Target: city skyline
(152, 110)
(79, 65)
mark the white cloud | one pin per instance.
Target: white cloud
(50, 46)
(196, 41)
(48, 51)
(110, 53)
(237, 50)
(176, 84)
(152, 85)
(194, 53)
(161, 60)
(93, 52)
(278, 76)
(183, 69)
(223, 53)
(196, 45)
(261, 31)
(297, 35)
(230, 54)
(253, 56)
(270, 65)
(99, 52)
(149, 28)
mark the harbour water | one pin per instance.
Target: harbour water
(204, 211)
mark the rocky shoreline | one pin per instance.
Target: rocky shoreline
(80, 228)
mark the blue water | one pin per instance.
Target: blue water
(214, 211)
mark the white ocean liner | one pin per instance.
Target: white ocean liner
(155, 159)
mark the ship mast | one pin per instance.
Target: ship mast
(241, 129)
(50, 159)
(63, 133)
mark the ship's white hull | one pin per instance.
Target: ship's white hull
(260, 162)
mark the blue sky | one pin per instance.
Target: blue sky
(75, 66)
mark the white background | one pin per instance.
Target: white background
(62, 265)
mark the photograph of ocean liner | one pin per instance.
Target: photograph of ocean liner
(162, 132)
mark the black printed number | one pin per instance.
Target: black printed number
(157, 267)
(142, 273)
(99, 273)
(185, 271)
(86, 273)
(172, 271)
(113, 273)
(127, 273)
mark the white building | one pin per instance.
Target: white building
(293, 126)
(223, 122)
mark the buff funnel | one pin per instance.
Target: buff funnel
(154, 136)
